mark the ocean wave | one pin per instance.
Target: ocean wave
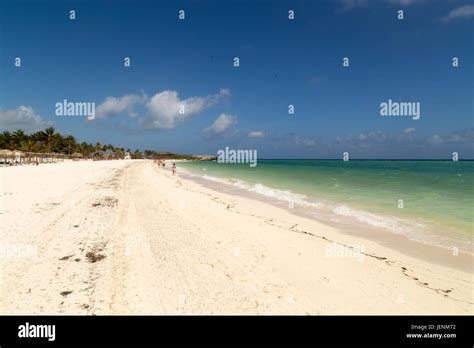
(281, 195)
(385, 222)
(388, 223)
(413, 230)
(337, 212)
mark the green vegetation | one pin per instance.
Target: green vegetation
(163, 155)
(49, 141)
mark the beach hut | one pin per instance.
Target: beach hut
(104, 155)
(6, 156)
(33, 157)
(19, 157)
(76, 156)
(47, 157)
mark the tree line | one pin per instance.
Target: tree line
(49, 141)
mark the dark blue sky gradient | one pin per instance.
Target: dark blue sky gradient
(282, 62)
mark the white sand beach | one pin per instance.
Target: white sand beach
(127, 237)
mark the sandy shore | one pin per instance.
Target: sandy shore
(126, 237)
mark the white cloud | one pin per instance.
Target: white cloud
(22, 117)
(462, 136)
(113, 105)
(435, 139)
(256, 134)
(362, 141)
(408, 135)
(164, 110)
(459, 12)
(376, 145)
(465, 136)
(221, 124)
(303, 141)
(167, 110)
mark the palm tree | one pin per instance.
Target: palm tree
(97, 147)
(29, 145)
(48, 136)
(70, 143)
(17, 138)
(6, 140)
(84, 149)
(137, 154)
(51, 141)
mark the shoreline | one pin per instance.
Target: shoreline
(432, 253)
(127, 237)
(437, 206)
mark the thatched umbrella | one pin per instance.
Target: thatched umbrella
(6, 154)
(33, 157)
(19, 156)
(76, 156)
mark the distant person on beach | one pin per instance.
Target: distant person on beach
(174, 168)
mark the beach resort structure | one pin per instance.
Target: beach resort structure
(8, 157)
(15, 157)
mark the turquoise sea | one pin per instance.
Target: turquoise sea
(428, 201)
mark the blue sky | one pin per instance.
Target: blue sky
(190, 62)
